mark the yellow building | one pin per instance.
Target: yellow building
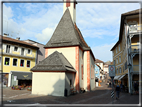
(126, 52)
(18, 57)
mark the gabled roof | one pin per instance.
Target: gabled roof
(67, 34)
(98, 61)
(54, 62)
(123, 16)
(16, 42)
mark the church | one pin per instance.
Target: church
(69, 61)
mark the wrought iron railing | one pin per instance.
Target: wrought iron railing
(135, 29)
(135, 68)
(135, 48)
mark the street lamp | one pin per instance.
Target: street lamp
(129, 66)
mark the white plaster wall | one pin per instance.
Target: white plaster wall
(48, 83)
(68, 52)
(85, 70)
(92, 80)
(71, 9)
(69, 76)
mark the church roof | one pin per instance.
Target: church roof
(54, 62)
(67, 34)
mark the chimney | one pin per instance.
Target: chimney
(18, 38)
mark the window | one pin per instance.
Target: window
(7, 61)
(15, 48)
(7, 48)
(119, 47)
(116, 49)
(125, 65)
(82, 71)
(112, 53)
(114, 62)
(119, 70)
(29, 51)
(119, 58)
(0, 60)
(22, 51)
(28, 63)
(22, 63)
(14, 62)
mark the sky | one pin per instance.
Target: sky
(99, 23)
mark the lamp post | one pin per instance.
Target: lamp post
(129, 66)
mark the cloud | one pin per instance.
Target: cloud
(103, 52)
(45, 35)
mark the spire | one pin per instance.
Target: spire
(71, 4)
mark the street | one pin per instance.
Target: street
(99, 96)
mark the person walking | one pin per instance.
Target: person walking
(121, 87)
(117, 90)
(136, 87)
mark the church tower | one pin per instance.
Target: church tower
(71, 5)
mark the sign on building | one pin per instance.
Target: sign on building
(111, 70)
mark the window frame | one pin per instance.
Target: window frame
(9, 61)
(14, 49)
(23, 63)
(16, 64)
(27, 64)
(30, 51)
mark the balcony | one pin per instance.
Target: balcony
(135, 68)
(135, 29)
(134, 48)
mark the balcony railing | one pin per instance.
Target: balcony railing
(135, 29)
(135, 48)
(135, 68)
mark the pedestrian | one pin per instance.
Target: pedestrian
(117, 90)
(136, 87)
(109, 84)
(121, 87)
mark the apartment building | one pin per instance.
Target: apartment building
(17, 59)
(126, 52)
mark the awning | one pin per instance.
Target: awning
(23, 75)
(116, 77)
(121, 77)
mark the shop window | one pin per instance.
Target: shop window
(15, 48)
(7, 61)
(14, 62)
(22, 63)
(7, 48)
(28, 63)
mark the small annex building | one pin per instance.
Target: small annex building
(69, 61)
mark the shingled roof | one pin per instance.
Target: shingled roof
(54, 62)
(19, 42)
(67, 34)
(98, 61)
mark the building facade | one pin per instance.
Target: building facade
(17, 59)
(126, 52)
(41, 50)
(68, 43)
